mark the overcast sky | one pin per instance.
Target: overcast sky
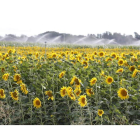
(31, 17)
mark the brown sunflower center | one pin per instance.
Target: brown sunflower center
(83, 100)
(37, 102)
(100, 112)
(17, 77)
(15, 94)
(78, 92)
(109, 80)
(121, 62)
(50, 94)
(1, 93)
(132, 68)
(77, 81)
(101, 54)
(64, 91)
(124, 92)
(90, 91)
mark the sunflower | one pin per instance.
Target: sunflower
(119, 70)
(109, 80)
(75, 80)
(89, 92)
(2, 95)
(132, 68)
(62, 74)
(134, 73)
(82, 100)
(77, 91)
(120, 62)
(114, 55)
(101, 54)
(100, 112)
(23, 88)
(85, 63)
(63, 91)
(70, 93)
(14, 95)
(17, 78)
(123, 93)
(54, 55)
(95, 53)
(37, 102)
(49, 93)
(5, 76)
(108, 59)
(93, 81)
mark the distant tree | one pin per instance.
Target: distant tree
(137, 36)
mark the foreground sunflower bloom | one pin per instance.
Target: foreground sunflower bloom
(93, 81)
(17, 78)
(77, 91)
(132, 68)
(123, 93)
(63, 91)
(119, 70)
(120, 62)
(5, 76)
(14, 95)
(89, 92)
(75, 80)
(2, 95)
(82, 100)
(23, 88)
(100, 112)
(62, 74)
(49, 93)
(109, 80)
(134, 73)
(37, 102)
(70, 93)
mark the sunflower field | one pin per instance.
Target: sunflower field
(69, 85)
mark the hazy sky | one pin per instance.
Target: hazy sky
(32, 17)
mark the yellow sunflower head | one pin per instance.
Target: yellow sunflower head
(119, 70)
(23, 88)
(114, 55)
(93, 81)
(62, 74)
(17, 77)
(100, 112)
(2, 95)
(70, 93)
(120, 62)
(89, 92)
(109, 80)
(132, 68)
(77, 91)
(82, 100)
(5, 76)
(134, 73)
(63, 91)
(14, 95)
(37, 102)
(123, 93)
(76, 80)
(101, 54)
(50, 95)
(85, 63)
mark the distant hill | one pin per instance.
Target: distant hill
(52, 37)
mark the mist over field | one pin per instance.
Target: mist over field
(52, 37)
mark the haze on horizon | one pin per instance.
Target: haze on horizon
(78, 17)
